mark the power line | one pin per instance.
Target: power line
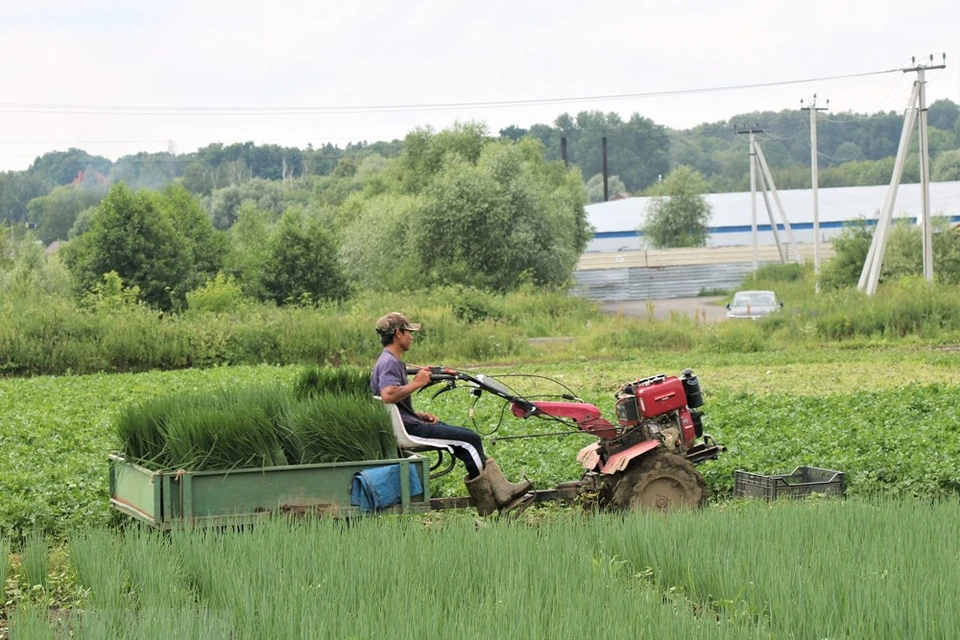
(133, 110)
(179, 140)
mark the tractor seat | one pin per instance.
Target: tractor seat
(405, 441)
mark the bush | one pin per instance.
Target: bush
(736, 336)
(217, 296)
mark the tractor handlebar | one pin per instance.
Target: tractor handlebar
(478, 381)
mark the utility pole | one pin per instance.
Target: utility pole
(925, 165)
(916, 111)
(765, 171)
(752, 131)
(773, 223)
(606, 192)
(814, 180)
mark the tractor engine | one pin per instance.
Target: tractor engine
(660, 408)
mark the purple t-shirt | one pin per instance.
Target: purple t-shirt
(391, 372)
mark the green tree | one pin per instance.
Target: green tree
(17, 189)
(637, 150)
(376, 243)
(946, 251)
(510, 218)
(131, 235)
(850, 248)
(372, 165)
(82, 224)
(426, 153)
(943, 114)
(346, 168)
(200, 178)
(224, 203)
(848, 151)
(6, 248)
(145, 170)
(303, 264)
(248, 253)
(594, 187)
(204, 246)
(902, 255)
(489, 213)
(513, 132)
(678, 214)
(55, 213)
(63, 167)
(946, 166)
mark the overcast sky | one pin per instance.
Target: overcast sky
(63, 55)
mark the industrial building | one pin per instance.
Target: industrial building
(617, 265)
(616, 222)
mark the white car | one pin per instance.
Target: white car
(753, 304)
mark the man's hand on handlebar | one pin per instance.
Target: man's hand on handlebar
(422, 378)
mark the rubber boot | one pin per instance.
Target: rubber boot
(507, 494)
(481, 492)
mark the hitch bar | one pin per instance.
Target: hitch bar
(563, 491)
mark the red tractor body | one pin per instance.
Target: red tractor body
(646, 460)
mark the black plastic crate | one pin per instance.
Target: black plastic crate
(799, 484)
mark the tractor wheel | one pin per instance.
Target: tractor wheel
(659, 481)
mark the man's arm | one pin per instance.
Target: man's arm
(397, 393)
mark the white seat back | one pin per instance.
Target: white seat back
(404, 439)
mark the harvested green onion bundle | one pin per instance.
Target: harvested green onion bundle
(328, 416)
(335, 428)
(332, 380)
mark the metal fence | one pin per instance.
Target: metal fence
(671, 273)
(650, 283)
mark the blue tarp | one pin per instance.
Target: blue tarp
(379, 487)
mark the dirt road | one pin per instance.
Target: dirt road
(709, 307)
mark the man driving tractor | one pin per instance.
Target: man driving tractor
(487, 485)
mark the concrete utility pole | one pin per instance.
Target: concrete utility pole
(870, 275)
(752, 131)
(925, 168)
(765, 171)
(916, 111)
(814, 180)
(773, 223)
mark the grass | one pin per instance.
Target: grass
(35, 560)
(56, 431)
(4, 569)
(757, 570)
(41, 336)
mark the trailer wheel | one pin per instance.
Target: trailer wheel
(660, 481)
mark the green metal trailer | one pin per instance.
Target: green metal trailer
(166, 499)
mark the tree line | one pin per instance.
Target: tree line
(855, 149)
(455, 207)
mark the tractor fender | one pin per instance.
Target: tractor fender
(589, 456)
(620, 460)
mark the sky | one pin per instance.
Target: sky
(116, 78)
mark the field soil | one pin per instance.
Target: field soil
(709, 307)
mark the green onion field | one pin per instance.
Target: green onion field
(881, 564)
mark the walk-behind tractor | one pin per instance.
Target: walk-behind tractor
(645, 461)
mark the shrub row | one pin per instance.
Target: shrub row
(51, 335)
